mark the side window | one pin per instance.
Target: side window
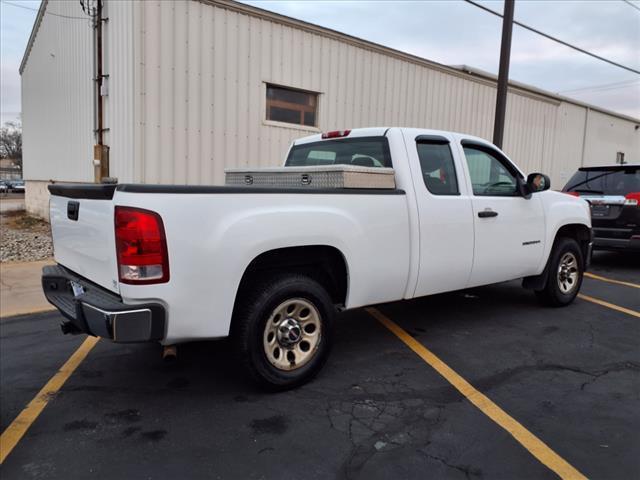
(489, 177)
(438, 170)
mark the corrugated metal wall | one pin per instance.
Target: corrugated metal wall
(203, 81)
(57, 99)
(568, 148)
(606, 135)
(119, 106)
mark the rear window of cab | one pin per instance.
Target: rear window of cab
(361, 152)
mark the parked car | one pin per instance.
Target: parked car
(613, 192)
(4, 188)
(270, 266)
(17, 186)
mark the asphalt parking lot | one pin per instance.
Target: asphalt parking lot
(570, 377)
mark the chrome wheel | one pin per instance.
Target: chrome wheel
(292, 334)
(568, 273)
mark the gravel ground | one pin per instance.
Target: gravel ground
(23, 238)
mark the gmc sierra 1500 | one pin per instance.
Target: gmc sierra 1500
(271, 266)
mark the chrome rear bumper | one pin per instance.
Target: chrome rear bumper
(93, 310)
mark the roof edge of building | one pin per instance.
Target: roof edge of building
(32, 37)
(561, 98)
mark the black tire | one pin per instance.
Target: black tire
(553, 294)
(255, 307)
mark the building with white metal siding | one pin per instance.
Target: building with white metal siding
(187, 96)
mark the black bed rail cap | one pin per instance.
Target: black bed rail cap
(93, 191)
(232, 189)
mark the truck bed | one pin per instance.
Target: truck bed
(213, 233)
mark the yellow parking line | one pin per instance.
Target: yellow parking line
(14, 432)
(618, 308)
(611, 280)
(528, 440)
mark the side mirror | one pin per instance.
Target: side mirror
(523, 188)
(538, 182)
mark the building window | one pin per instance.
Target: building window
(291, 106)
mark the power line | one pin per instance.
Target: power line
(606, 86)
(582, 91)
(631, 4)
(531, 29)
(46, 13)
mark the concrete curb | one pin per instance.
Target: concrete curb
(21, 289)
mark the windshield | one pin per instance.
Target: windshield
(616, 181)
(362, 152)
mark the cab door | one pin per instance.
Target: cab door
(509, 229)
(444, 209)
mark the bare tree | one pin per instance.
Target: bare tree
(11, 141)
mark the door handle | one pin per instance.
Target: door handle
(487, 214)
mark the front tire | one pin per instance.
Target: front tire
(565, 273)
(282, 330)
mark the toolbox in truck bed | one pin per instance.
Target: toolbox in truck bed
(330, 176)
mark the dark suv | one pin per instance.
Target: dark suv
(614, 195)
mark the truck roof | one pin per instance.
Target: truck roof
(356, 132)
(381, 131)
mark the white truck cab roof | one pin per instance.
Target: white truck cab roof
(381, 131)
(407, 131)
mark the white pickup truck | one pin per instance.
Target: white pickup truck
(271, 266)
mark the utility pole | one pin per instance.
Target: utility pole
(100, 150)
(503, 74)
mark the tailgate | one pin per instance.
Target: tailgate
(82, 226)
(605, 207)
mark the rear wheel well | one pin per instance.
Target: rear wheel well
(326, 265)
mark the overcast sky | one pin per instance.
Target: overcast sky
(451, 32)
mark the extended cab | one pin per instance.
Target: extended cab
(271, 266)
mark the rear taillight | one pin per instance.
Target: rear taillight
(141, 246)
(632, 198)
(573, 194)
(336, 134)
